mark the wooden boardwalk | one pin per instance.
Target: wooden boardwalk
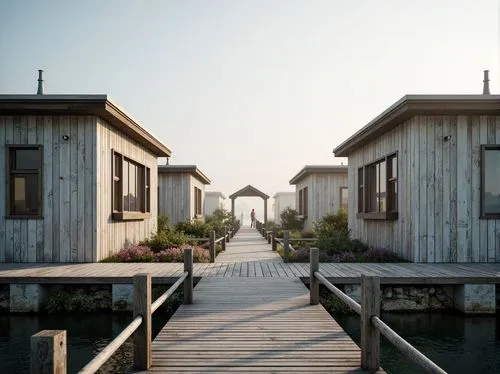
(249, 256)
(253, 324)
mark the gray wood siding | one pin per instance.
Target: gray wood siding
(439, 190)
(323, 195)
(113, 235)
(175, 196)
(65, 234)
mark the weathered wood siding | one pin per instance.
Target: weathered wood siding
(66, 232)
(113, 235)
(212, 203)
(439, 190)
(323, 195)
(175, 196)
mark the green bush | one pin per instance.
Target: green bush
(333, 222)
(290, 220)
(307, 234)
(167, 238)
(196, 229)
(270, 225)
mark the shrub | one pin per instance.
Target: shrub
(290, 220)
(336, 242)
(344, 257)
(309, 234)
(380, 255)
(136, 253)
(333, 222)
(165, 239)
(196, 229)
(174, 254)
(163, 223)
(201, 255)
(270, 225)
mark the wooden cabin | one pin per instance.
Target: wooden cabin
(282, 200)
(81, 177)
(213, 200)
(424, 179)
(181, 191)
(320, 190)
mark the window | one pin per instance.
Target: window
(490, 187)
(131, 189)
(378, 189)
(303, 199)
(197, 201)
(343, 198)
(24, 192)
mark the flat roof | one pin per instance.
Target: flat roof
(414, 105)
(190, 169)
(287, 193)
(310, 169)
(98, 105)
(215, 193)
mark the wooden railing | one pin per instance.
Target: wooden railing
(371, 324)
(48, 347)
(211, 241)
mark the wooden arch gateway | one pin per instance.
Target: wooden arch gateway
(249, 191)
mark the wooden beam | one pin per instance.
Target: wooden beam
(142, 307)
(48, 352)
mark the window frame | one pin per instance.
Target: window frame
(342, 188)
(389, 214)
(10, 148)
(303, 202)
(119, 214)
(482, 214)
(198, 211)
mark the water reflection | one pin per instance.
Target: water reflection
(87, 335)
(457, 343)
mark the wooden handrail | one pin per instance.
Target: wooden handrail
(140, 327)
(406, 348)
(160, 300)
(371, 325)
(111, 348)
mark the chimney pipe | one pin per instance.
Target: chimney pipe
(40, 83)
(486, 83)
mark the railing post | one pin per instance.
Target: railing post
(268, 234)
(142, 307)
(225, 234)
(48, 352)
(273, 240)
(370, 336)
(223, 243)
(286, 244)
(313, 281)
(229, 235)
(188, 282)
(212, 246)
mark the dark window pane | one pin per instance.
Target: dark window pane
(394, 167)
(491, 181)
(132, 185)
(26, 159)
(372, 188)
(148, 190)
(25, 194)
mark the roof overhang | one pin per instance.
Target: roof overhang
(189, 169)
(249, 191)
(419, 105)
(98, 105)
(325, 169)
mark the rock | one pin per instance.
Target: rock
(398, 290)
(412, 291)
(432, 291)
(388, 293)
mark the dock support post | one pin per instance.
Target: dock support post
(188, 282)
(212, 246)
(48, 352)
(313, 281)
(142, 307)
(286, 244)
(370, 336)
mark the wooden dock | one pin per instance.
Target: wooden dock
(253, 325)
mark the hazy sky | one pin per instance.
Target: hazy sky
(250, 91)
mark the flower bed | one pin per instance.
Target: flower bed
(141, 253)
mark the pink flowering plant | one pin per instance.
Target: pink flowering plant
(140, 253)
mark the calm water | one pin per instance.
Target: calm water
(86, 335)
(456, 343)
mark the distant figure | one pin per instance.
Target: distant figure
(252, 216)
